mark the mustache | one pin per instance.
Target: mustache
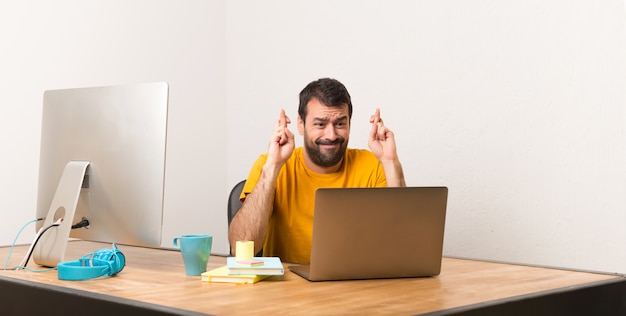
(339, 140)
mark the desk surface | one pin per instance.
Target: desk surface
(157, 276)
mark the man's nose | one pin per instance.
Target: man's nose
(330, 133)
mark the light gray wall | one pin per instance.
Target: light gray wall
(516, 106)
(75, 43)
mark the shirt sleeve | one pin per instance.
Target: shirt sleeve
(381, 179)
(253, 176)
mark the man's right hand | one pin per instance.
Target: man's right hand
(281, 142)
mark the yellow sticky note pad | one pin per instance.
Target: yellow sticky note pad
(244, 250)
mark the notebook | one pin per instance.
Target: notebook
(370, 233)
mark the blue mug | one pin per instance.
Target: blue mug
(196, 250)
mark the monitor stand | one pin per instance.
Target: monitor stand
(50, 248)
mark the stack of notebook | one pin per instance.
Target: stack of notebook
(245, 271)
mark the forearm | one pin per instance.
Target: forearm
(394, 173)
(251, 222)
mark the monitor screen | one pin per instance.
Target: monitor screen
(102, 159)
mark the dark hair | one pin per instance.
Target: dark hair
(329, 92)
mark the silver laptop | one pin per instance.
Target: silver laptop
(371, 233)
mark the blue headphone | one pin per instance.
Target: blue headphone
(93, 265)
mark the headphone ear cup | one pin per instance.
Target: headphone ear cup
(114, 257)
(120, 259)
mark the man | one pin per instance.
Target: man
(277, 211)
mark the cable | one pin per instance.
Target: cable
(83, 223)
(43, 231)
(37, 270)
(15, 240)
(32, 246)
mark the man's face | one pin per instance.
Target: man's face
(326, 133)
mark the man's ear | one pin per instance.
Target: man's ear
(300, 125)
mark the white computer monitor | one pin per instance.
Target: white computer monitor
(103, 152)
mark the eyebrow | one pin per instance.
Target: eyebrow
(326, 119)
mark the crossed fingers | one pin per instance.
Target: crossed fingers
(378, 128)
(281, 131)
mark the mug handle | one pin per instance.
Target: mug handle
(175, 242)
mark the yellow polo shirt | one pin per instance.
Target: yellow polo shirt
(290, 226)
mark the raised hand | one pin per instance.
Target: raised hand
(383, 144)
(281, 142)
(381, 139)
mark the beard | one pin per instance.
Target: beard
(326, 157)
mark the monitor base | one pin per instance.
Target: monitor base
(50, 249)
